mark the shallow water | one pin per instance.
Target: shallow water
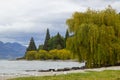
(19, 67)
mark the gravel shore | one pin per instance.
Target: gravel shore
(5, 77)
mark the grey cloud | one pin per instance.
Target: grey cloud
(22, 19)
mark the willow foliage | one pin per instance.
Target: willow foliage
(96, 37)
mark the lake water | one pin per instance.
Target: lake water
(19, 67)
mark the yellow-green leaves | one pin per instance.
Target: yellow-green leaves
(55, 54)
(96, 36)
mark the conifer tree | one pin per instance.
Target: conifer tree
(66, 36)
(59, 42)
(32, 45)
(46, 45)
(56, 42)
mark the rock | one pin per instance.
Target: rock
(43, 71)
(75, 68)
(67, 69)
(30, 70)
(60, 70)
(51, 69)
(64, 69)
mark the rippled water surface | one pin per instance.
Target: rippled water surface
(19, 67)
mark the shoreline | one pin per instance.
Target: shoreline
(5, 77)
(41, 60)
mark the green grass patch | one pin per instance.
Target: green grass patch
(103, 75)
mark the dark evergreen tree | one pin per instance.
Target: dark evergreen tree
(32, 45)
(46, 45)
(66, 36)
(59, 41)
(56, 42)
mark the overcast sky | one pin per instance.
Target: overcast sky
(22, 19)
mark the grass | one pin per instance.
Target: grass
(103, 75)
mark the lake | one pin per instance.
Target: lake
(19, 67)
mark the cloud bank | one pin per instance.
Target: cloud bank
(22, 19)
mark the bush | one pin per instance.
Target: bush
(30, 55)
(45, 55)
(61, 54)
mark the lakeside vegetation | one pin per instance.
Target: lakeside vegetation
(53, 49)
(96, 37)
(103, 75)
(95, 40)
(55, 54)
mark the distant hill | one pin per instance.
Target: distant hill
(11, 50)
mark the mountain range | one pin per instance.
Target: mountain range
(11, 50)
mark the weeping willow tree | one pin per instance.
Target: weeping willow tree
(96, 37)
